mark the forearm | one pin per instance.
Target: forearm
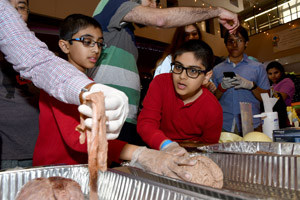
(218, 94)
(257, 91)
(170, 17)
(127, 151)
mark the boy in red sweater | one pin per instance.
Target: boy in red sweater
(58, 142)
(177, 107)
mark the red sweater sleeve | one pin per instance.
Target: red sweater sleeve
(148, 125)
(114, 150)
(213, 118)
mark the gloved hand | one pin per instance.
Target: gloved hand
(240, 82)
(161, 163)
(174, 149)
(227, 82)
(116, 109)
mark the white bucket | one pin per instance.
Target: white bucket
(270, 122)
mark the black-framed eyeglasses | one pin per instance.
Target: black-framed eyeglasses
(192, 71)
(88, 42)
(232, 41)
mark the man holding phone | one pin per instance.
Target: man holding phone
(239, 79)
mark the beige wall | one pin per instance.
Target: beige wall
(260, 45)
(61, 9)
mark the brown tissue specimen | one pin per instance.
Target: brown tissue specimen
(53, 188)
(206, 172)
(59, 188)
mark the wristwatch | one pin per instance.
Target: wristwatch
(254, 86)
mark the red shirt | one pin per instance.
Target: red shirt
(164, 115)
(58, 142)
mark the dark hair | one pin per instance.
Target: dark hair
(177, 40)
(27, 2)
(74, 23)
(277, 65)
(240, 30)
(202, 51)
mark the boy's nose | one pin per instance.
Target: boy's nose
(96, 49)
(183, 74)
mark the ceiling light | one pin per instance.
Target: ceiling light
(265, 11)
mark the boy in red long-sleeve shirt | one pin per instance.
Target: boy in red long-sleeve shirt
(177, 107)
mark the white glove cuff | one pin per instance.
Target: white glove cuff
(168, 145)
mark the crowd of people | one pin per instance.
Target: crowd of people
(189, 98)
(66, 81)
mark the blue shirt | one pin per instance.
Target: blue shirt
(230, 100)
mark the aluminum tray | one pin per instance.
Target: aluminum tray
(276, 165)
(116, 184)
(273, 148)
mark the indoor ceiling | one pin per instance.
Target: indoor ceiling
(243, 7)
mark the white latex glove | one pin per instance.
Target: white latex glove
(116, 109)
(227, 82)
(161, 163)
(241, 82)
(174, 149)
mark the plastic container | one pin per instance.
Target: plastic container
(270, 122)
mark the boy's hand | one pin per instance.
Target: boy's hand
(174, 149)
(227, 83)
(241, 82)
(161, 163)
(116, 109)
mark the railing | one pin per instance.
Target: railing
(272, 17)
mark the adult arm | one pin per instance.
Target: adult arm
(257, 92)
(34, 61)
(180, 16)
(286, 88)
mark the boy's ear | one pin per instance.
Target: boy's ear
(207, 77)
(64, 46)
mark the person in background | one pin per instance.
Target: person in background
(281, 87)
(280, 82)
(181, 35)
(82, 40)
(249, 81)
(19, 107)
(181, 110)
(56, 76)
(116, 18)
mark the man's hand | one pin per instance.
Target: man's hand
(228, 19)
(116, 109)
(161, 163)
(174, 149)
(241, 82)
(227, 83)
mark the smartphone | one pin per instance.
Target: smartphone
(229, 74)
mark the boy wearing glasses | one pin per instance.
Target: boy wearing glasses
(249, 80)
(177, 107)
(81, 40)
(58, 142)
